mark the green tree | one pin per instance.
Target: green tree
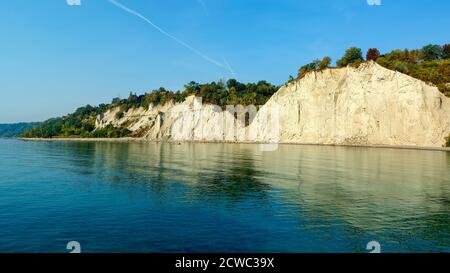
(446, 52)
(353, 55)
(432, 52)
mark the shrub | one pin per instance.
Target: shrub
(447, 143)
(119, 114)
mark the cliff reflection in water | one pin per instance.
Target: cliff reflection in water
(399, 197)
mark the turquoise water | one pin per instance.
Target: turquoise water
(148, 197)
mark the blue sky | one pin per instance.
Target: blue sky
(55, 57)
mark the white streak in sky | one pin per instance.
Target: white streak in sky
(229, 68)
(137, 14)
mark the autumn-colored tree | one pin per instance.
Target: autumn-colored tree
(372, 54)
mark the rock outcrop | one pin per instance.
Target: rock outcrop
(368, 105)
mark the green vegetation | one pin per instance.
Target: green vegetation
(430, 64)
(16, 129)
(447, 143)
(110, 132)
(232, 92)
(81, 123)
(219, 93)
(316, 65)
(353, 56)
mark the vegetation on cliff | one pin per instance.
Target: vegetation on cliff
(430, 64)
(219, 93)
(81, 123)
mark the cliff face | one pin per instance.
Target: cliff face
(369, 105)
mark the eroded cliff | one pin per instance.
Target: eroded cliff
(368, 105)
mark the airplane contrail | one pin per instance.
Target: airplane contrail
(229, 67)
(137, 14)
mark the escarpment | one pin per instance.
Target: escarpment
(368, 105)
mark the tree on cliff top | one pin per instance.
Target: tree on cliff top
(316, 65)
(432, 52)
(353, 55)
(446, 52)
(326, 61)
(372, 54)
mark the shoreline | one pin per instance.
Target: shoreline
(142, 140)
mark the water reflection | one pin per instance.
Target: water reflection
(343, 195)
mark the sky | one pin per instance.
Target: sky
(55, 57)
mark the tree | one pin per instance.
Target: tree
(446, 52)
(116, 101)
(232, 83)
(353, 55)
(314, 66)
(372, 54)
(308, 68)
(326, 61)
(432, 52)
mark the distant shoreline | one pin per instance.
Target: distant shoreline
(143, 140)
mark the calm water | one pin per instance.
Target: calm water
(140, 197)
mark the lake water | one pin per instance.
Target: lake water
(149, 197)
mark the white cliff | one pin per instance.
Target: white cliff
(369, 105)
